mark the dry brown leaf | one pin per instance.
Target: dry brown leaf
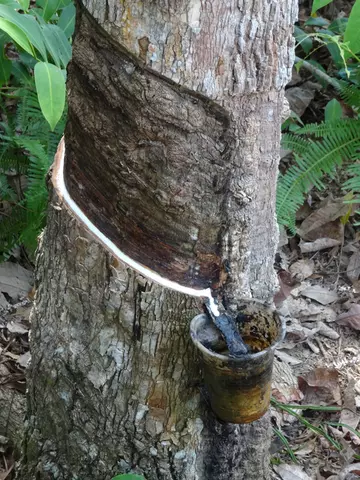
(15, 280)
(285, 357)
(351, 318)
(306, 449)
(284, 383)
(302, 309)
(320, 294)
(11, 355)
(286, 284)
(353, 268)
(327, 331)
(5, 475)
(302, 269)
(323, 222)
(17, 326)
(24, 359)
(295, 334)
(291, 472)
(348, 414)
(321, 386)
(319, 244)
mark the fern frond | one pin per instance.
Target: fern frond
(353, 183)
(295, 143)
(18, 163)
(350, 93)
(318, 159)
(28, 146)
(325, 129)
(6, 192)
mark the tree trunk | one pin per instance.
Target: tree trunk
(192, 92)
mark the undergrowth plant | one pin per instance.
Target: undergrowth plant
(27, 150)
(321, 149)
(35, 47)
(319, 429)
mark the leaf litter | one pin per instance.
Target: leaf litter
(318, 364)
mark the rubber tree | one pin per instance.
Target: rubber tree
(189, 91)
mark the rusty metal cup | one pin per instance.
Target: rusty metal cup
(239, 388)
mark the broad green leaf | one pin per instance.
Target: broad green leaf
(57, 44)
(303, 39)
(333, 111)
(338, 26)
(49, 7)
(64, 45)
(129, 476)
(352, 32)
(24, 4)
(28, 25)
(316, 22)
(51, 44)
(10, 3)
(37, 13)
(65, 3)
(16, 34)
(50, 87)
(67, 20)
(319, 4)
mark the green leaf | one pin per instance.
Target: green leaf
(24, 4)
(16, 34)
(49, 7)
(303, 39)
(50, 87)
(319, 4)
(67, 20)
(352, 32)
(316, 22)
(333, 111)
(65, 3)
(10, 3)
(128, 476)
(5, 63)
(338, 26)
(57, 44)
(29, 27)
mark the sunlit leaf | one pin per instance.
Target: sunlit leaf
(24, 4)
(319, 4)
(352, 32)
(16, 34)
(29, 27)
(50, 86)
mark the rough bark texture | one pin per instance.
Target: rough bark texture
(114, 382)
(12, 413)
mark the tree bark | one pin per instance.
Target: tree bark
(190, 92)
